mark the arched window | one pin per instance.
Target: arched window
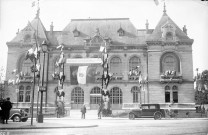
(77, 96)
(26, 67)
(115, 65)
(116, 96)
(167, 87)
(28, 91)
(134, 62)
(169, 61)
(95, 95)
(21, 93)
(136, 91)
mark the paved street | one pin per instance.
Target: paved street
(109, 126)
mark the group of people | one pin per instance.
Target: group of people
(84, 110)
(6, 106)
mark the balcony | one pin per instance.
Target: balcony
(171, 79)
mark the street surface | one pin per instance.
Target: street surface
(118, 126)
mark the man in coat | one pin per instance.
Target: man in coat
(83, 110)
(6, 107)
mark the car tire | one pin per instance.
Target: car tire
(131, 116)
(157, 116)
(16, 118)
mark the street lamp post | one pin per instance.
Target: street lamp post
(42, 88)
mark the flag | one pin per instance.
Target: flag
(30, 54)
(102, 48)
(33, 3)
(82, 74)
(157, 2)
(73, 75)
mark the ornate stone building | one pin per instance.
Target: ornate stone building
(163, 56)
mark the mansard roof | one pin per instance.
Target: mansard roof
(157, 33)
(108, 28)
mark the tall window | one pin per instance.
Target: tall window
(26, 67)
(95, 95)
(115, 65)
(170, 61)
(116, 96)
(134, 62)
(171, 94)
(28, 91)
(21, 93)
(136, 91)
(77, 96)
(24, 93)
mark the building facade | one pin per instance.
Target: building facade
(162, 55)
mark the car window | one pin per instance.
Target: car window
(152, 107)
(145, 107)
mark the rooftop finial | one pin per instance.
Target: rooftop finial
(164, 10)
(38, 10)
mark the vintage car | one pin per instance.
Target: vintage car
(17, 115)
(147, 111)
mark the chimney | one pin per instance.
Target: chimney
(51, 27)
(147, 25)
(184, 29)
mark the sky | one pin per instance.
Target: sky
(15, 14)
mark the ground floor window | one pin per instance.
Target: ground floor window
(116, 96)
(24, 93)
(77, 96)
(95, 95)
(136, 94)
(171, 94)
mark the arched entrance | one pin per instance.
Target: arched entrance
(116, 99)
(77, 98)
(95, 97)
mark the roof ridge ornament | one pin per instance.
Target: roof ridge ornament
(164, 10)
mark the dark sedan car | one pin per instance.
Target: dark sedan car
(17, 115)
(147, 111)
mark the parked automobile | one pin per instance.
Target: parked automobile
(147, 111)
(17, 115)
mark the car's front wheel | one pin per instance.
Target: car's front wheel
(16, 118)
(131, 116)
(157, 116)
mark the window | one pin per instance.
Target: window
(152, 107)
(171, 95)
(21, 93)
(134, 62)
(136, 91)
(115, 65)
(24, 94)
(116, 96)
(26, 67)
(95, 96)
(169, 36)
(169, 61)
(28, 91)
(77, 96)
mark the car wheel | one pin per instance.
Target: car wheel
(16, 118)
(157, 116)
(131, 116)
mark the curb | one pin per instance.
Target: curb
(34, 127)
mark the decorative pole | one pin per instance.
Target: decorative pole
(105, 81)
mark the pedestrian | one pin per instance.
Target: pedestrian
(100, 108)
(6, 107)
(83, 111)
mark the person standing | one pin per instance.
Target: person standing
(6, 107)
(83, 111)
(100, 108)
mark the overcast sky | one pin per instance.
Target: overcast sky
(15, 14)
